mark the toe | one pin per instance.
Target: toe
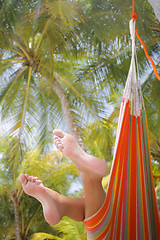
(60, 147)
(38, 182)
(33, 179)
(30, 178)
(58, 143)
(58, 133)
(23, 179)
(56, 139)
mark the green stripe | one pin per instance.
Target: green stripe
(145, 175)
(139, 185)
(151, 205)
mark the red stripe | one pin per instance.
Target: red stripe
(119, 153)
(123, 160)
(133, 181)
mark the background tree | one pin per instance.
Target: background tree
(63, 58)
(38, 54)
(21, 215)
(45, 45)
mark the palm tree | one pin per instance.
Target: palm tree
(109, 40)
(37, 57)
(10, 193)
(21, 215)
(109, 50)
(39, 51)
(37, 54)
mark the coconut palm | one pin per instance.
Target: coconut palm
(10, 193)
(107, 40)
(39, 62)
(39, 55)
(21, 215)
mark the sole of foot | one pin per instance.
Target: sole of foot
(34, 187)
(86, 164)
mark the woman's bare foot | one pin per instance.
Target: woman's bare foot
(85, 163)
(35, 188)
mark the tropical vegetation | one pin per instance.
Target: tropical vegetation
(63, 64)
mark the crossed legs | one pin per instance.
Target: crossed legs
(91, 170)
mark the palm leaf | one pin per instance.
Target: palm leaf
(70, 229)
(42, 236)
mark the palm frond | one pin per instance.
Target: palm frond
(41, 236)
(70, 229)
(26, 99)
(7, 90)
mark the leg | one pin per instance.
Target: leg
(55, 205)
(91, 170)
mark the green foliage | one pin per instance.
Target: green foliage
(56, 173)
(70, 229)
(157, 190)
(99, 137)
(151, 89)
(39, 53)
(42, 236)
(85, 47)
(11, 158)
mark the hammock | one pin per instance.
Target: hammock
(130, 210)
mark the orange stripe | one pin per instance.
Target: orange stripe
(121, 153)
(115, 205)
(133, 181)
(124, 159)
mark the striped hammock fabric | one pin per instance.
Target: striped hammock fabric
(130, 210)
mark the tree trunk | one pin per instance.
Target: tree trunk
(17, 223)
(68, 115)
